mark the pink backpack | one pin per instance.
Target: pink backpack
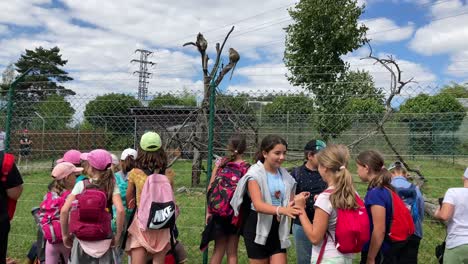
(352, 229)
(49, 216)
(157, 207)
(223, 188)
(90, 219)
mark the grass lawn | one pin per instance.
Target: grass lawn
(440, 174)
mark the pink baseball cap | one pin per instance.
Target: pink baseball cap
(63, 169)
(99, 159)
(84, 156)
(72, 156)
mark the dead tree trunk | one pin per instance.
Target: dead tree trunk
(396, 85)
(200, 140)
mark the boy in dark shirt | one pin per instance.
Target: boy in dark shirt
(11, 187)
(308, 180)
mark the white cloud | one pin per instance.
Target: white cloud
(459, 64)
(425, 79)
(446, 33)
(382, 30)
(264, 78)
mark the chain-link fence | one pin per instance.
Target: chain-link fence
(431, 136)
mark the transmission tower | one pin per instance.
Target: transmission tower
(143, 73)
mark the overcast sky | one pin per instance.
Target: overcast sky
(98, 38)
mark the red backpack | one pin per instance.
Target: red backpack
(401, 225)
(50, 216)
(352, 229)
(90, 218)
(223, 187)
(8, 160)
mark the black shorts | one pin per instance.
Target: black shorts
(272, 245)
(4, 230)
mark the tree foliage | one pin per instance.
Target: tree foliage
(45, 78)
(441, 112)
(112, 112)
(322, 32)
(293, 109)
(456, 90)
(56, 111)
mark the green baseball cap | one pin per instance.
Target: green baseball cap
(150, 141)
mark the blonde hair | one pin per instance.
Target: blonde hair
(335, 158)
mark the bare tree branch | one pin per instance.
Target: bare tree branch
(218, 55)
(396, 85)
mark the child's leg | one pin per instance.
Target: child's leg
(231, 249)
(52, 253)
(138, 255)
(219, 250)
(159, 257)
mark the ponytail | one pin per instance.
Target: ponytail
(382, 179)
(344, 196)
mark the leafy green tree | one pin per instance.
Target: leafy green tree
(430, 120)
(171, 100)
(56, 111)
(46, 78)
(323, 31)
(441, 112)
(456, 90)
(293, 109)
(347, 103)
(112, 112)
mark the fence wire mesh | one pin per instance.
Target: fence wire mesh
(433, 139)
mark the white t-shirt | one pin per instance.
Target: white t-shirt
(457, 227)
(95, 249)
(79, 187)
(2, 140)
(323, 202)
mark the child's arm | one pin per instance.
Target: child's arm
(120, 211)
(265, 208)
(378, 234)
(67, 242)
(130, 195)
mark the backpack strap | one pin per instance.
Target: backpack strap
(393, 213)
(322, 249)
(6, 160)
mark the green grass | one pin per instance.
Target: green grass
(440, 174)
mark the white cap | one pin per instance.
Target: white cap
(466, 174)
(128, 152)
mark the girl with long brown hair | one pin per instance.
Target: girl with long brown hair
(379, 205)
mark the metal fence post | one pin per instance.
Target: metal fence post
(11, 91)
(209, 161)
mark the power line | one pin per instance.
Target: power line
(143, 73)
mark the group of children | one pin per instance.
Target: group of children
(92, 213)
(330, 221)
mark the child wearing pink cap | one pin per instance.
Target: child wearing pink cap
(73, 156)
(101, 177)
(64, 175)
